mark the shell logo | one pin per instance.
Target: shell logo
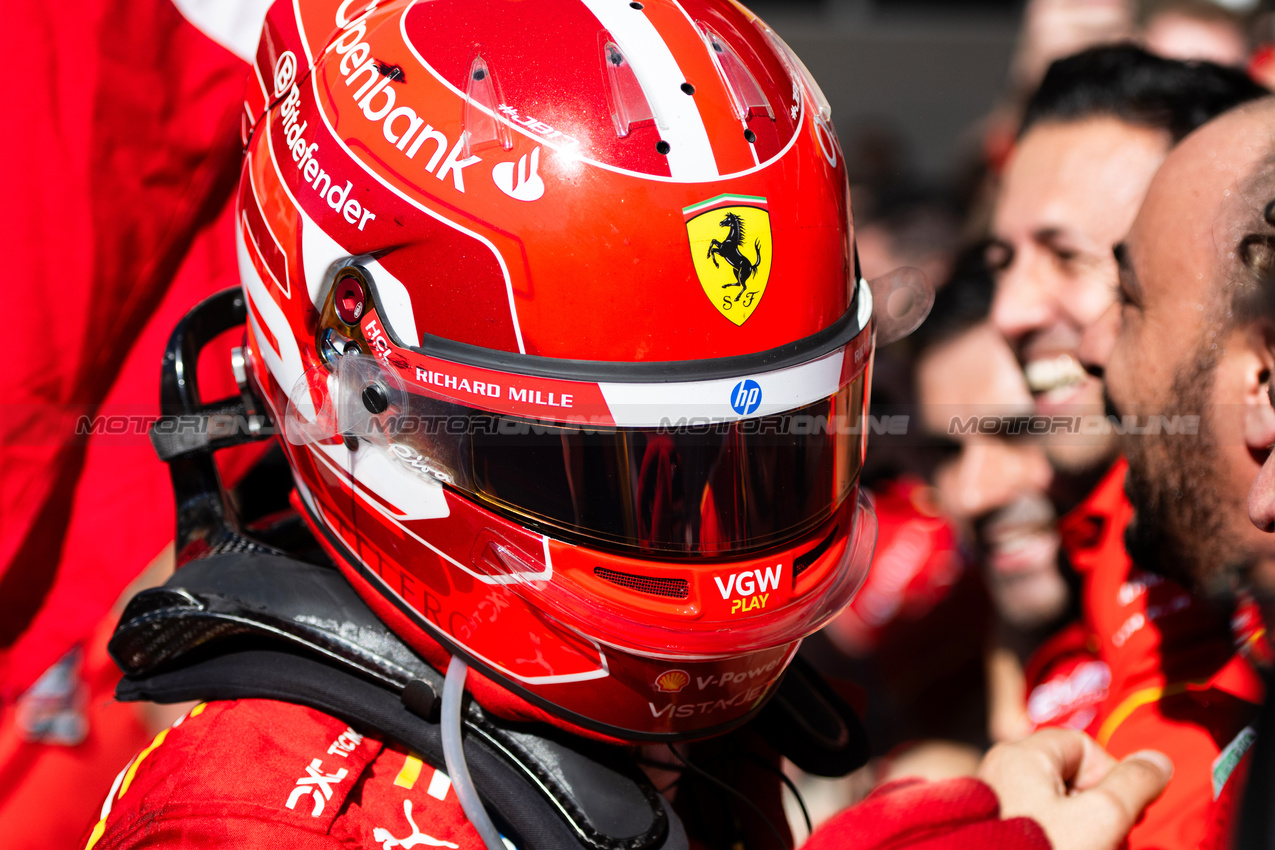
(672, 681)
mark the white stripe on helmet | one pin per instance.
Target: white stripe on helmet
(690, 155)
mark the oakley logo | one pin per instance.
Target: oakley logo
(745, 397)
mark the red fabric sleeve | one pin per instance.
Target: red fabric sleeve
(954, 814)
(262, 775)
(128, 145)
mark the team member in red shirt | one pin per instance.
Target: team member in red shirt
(1149, 661)
(995, 483)
(1151, 665)
(1185, 344)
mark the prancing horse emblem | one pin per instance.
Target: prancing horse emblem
(728, 250)
(733, 267)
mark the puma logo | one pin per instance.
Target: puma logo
(416, 839)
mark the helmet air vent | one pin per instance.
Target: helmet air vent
(629, 107)
(745, 94)
(802, 79)
(801, 563)
(672, 588)
(479, 126)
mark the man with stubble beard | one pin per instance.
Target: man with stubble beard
(1184, 341)
(1094, 135)
(993, 486)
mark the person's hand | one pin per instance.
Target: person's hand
(1082, 797)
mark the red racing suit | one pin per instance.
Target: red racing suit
(1149, 667)
(259, 773)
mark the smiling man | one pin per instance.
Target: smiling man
(1184, 340)
(995, 486)
(1093, 136)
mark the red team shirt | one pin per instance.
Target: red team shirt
(1150, 667)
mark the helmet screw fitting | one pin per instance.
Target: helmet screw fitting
(375, 399)
(350, 299)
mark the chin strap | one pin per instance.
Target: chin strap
(454, 755)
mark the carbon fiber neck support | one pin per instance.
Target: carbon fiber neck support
(242, 625)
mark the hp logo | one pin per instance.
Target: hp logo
(746, 397)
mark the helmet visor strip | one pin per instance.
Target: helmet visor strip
(687, 483)
(702, 490)
(688, 491)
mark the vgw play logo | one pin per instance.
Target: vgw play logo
(750, 587)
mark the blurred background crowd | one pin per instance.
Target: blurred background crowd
(971, 579)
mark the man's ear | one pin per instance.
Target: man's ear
(1259, 364)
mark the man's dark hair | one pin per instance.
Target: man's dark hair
(1126, 82)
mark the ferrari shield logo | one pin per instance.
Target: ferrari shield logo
(730, 246)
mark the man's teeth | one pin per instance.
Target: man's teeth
(1054, 373)
(1013, 545)
(1017, 538)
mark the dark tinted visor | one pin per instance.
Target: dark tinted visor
(677, 489)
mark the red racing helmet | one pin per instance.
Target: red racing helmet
(556, 308)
